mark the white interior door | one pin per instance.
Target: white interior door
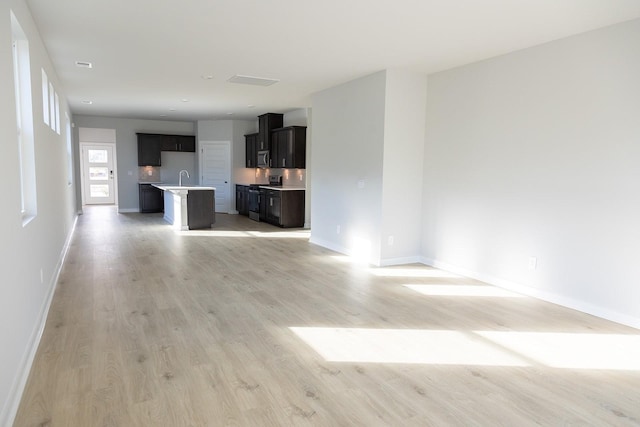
(215, 171)
(97, 174)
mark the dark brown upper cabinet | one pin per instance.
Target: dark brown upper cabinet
(266, 124)
(251, 156)
(149, 148)
(289, 147)
(183, 143)
(150, 145)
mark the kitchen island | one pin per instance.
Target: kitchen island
(188, 208)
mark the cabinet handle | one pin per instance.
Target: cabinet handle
(270, 201)
(284, 163)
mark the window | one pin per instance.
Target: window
(24, 121)
(52, 107)
(69, 151)
(57, 111)
(45, 97)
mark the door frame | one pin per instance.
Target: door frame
(201, 146)
(85, 144)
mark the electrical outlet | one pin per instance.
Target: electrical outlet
(338, 229)
(533, 263)
(390, 240)
(361, 183)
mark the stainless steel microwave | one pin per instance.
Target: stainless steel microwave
(263, 159)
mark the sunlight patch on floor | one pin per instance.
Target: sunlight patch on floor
(573, 350)
(411, 272)
(486, 348)
(298, 234)
(404, 346)
(463, 291)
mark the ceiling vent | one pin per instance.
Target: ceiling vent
(248, 80)
(84, 64)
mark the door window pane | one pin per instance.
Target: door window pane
(98, 173)
(99, 190)
(97, 156)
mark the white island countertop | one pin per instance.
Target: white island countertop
(177, 188)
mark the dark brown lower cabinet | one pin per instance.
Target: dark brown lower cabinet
(242, 199)
(285, 208)
(200, 209)
(151, 198)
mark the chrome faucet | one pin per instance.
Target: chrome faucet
(180, 176)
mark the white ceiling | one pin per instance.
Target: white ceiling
(150, 55)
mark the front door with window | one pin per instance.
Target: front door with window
(97, 174)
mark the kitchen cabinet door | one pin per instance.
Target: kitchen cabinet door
(149, 149)
(251, 155)
(266, 124)
(273, 207)
(151, 198)
(187, 143)
(182, 143)
(242, 200)
(289, 147)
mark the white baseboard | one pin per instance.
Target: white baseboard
(128, 210)
(551, 297)
(400, 261)
(20, 380)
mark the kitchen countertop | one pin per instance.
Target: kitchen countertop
(282, 188)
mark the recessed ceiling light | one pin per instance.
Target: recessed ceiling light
(206, 77)
(250, 106)
(250, 80)
(172, 109)
(163, 115)
(87, 102)
(184, 100)
(84, 64)
(229, 114)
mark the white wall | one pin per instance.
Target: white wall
(348, 147)
(537, 153)
(40, 245)
(127, 153)
(404, 133)
(233, 131)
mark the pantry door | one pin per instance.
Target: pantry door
(98, 174)
(215, 171)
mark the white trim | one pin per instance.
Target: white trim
(400, 261)
(551, 297)
(128, 210)
(20, 380)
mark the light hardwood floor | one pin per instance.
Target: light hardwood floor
(249, 325)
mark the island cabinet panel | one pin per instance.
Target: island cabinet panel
(285, 208)
(200, 209)
(149, 149)
(289, 147)
(151, 199)
(266, 124)
(251, 156)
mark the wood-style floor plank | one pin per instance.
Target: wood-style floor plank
(153, 327)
